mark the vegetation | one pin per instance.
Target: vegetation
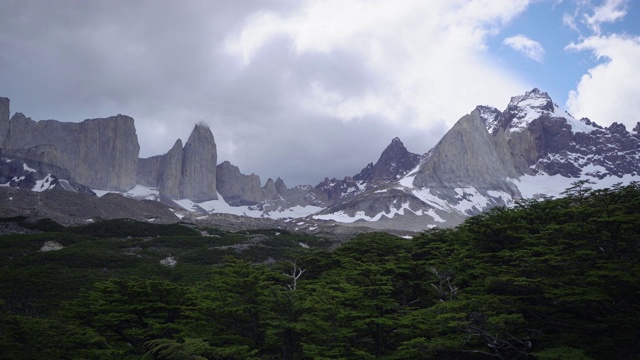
(546, 279)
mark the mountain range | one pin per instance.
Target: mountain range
(489, 158)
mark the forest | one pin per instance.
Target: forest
(544, 279)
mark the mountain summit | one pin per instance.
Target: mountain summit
(394, 162)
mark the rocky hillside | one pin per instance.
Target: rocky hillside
(69, 208)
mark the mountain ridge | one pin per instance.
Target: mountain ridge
(488, 158)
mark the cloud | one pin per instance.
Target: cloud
(610, 91)
(609, 12)
(299, 90)
(529, 48)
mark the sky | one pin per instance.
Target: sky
(305, 90)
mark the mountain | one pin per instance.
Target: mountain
(489, 158)
(187, 172)
(492, 158)
(100, 153)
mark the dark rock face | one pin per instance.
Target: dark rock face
(28, 174)
(394, 162)
(281, 187)
(100, 153)
(237, 188)
(4, 118)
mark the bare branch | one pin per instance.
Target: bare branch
(294, 275)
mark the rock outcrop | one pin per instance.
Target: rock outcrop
(100, 153)
(187, 172)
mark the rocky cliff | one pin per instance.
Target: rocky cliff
(199, 165)
(100, 153)
(237, 188)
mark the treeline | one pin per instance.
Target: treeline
(546, 279)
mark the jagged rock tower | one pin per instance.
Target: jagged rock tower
(184, 173)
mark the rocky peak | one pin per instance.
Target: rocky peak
(269, 190)
(200, 157)
(534, 99)
(280, 186)
(467, 156)
(490, 116)
(616, 128)
(394, 162)
(523, 109)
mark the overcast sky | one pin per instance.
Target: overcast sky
(310, 89)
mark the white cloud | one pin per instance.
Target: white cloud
(609, 12)
(610, 91)
(529, 48)
(427, 59)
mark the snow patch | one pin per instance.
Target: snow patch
(169, 261)
(44, 184)
(51, 246)
(140, 191)
(220, 206)
(27, 168)
(553, 185)
(100, 193)
(435, 216)
(341, 216)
